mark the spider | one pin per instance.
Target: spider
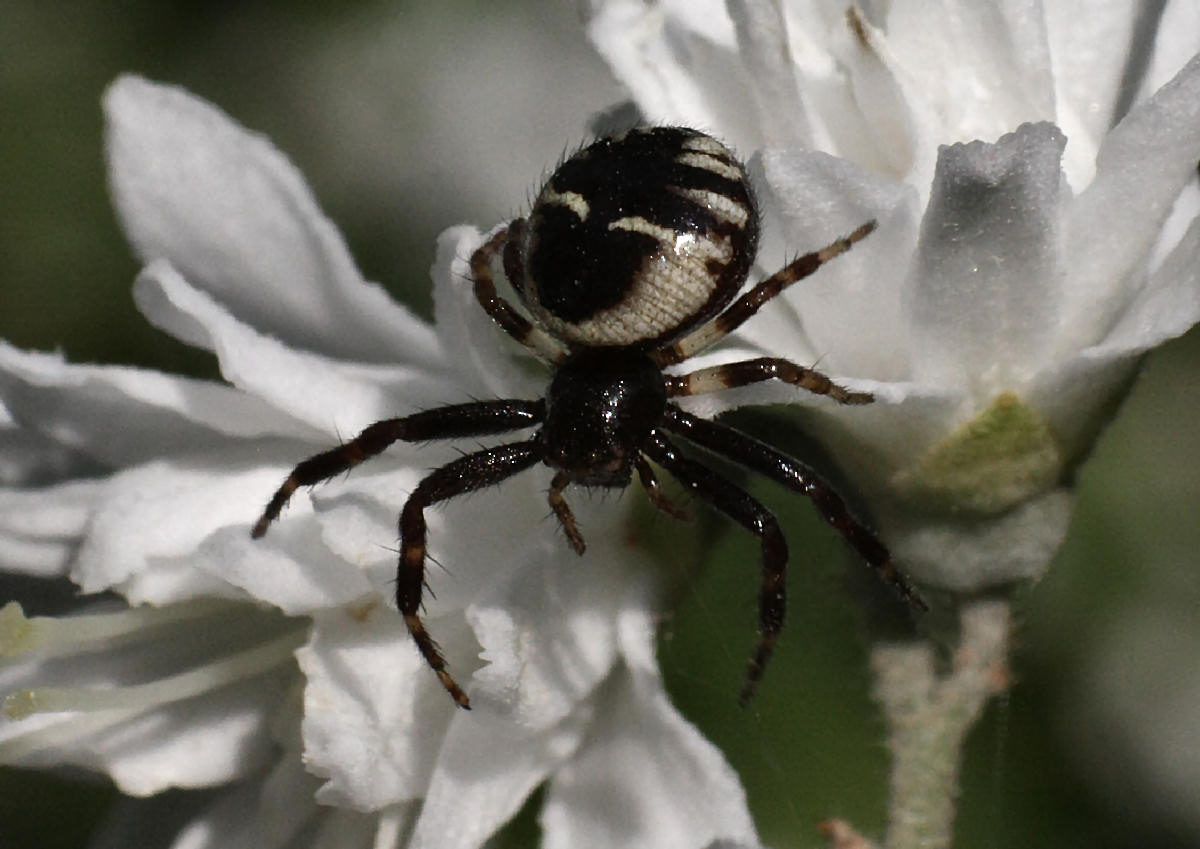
(629, 262)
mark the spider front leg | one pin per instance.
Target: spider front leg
(466, 474)
(562, 511)
(730, 375)
(746, 511)
(501, 312)
(746, 306)
(762, 458)
(655, 493)
(479, 418)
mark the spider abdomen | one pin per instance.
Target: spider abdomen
(636, 239)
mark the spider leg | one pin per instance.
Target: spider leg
(510, 321)
(466, 474)
(563, 511)
(474, 419)
(654, 491)
(729, 375)
(762, 458)
(747, 305)
(745, 510)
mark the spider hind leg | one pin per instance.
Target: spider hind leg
(754, 517)
(466, 474)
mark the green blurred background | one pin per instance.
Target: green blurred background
(389, 109)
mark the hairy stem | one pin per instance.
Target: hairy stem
(928, 717)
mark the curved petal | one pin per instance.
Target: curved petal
(1141, 168)
(849, 308)
(978, 69)
(326, 394)
(156, 731)
(469, 798)
(120, 416)
(40, 529)
(230, 212)
(679, 61)
(374, 715)
(646, 776)
(143, 534)
(1085, 37)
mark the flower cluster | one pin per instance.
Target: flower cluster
(1034, 241)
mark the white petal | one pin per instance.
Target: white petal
(329, 395)
(1167, 306)
(680, 62)
(257, 814)
(849, 308)
(764, 49)
(1175, 43)
(646, 777)
(548, 633)
(40, 528)
(485, 771)
(984, 291)
(230, 212)
(1072, 393)
(196, 741)
(1090, 45)
(876, 119)
(980, 69)
(120, 416)
(1143, 165)
(291, 568)
(374, 714)
(150, 523)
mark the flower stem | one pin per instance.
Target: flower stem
(929, 716)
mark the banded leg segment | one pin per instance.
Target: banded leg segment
(655, 493)
(730, 375)
(466, 474)
(562, 511)
(479, 418)
(754, 517)
(762, 458)
(750, 303)
(510, 321)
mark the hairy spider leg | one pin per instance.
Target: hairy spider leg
(744, 509)
(757, 456)
(562, 511)
(477, 418)
(655, 492)
(730, 375)
(744, 307)
(510, 321)
(466, 474)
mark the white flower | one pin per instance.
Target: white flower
(144, 486)
(1000, 310)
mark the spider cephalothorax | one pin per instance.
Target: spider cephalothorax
(630, 261)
